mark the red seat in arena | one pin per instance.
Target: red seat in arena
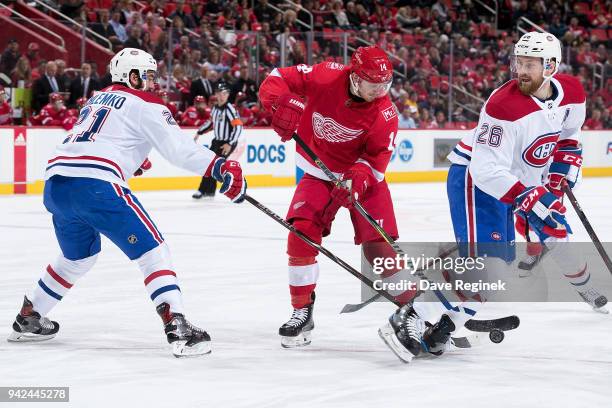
(599, 33)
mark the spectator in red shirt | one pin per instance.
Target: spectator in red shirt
(594, 122)
(6, 112)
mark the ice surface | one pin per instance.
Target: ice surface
(231, 263)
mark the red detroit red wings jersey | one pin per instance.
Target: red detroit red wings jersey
(341, 131)
(194, 117)
(6, 114)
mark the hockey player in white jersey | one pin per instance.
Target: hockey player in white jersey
(526, 145)
(87, 193)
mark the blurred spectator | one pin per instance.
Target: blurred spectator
(6, 112)
(594, 122)
(180, 12)
(406, 121)
(201, 86)
(151, 27)
(63, 79)
(9, 57)
(22, 74)
(33, 54)
(134, 40)
(83, 85)
(246, 85)
(104, 27)
(118, 27)
(46, 85)
(72, 8)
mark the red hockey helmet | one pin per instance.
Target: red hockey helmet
(199, 99)
(81, 101)
(373, 72)
(56, 97)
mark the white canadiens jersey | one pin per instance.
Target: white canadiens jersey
(517, 135)
(115, 133)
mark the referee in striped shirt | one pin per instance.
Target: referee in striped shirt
(227, 127)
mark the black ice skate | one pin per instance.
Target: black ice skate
(29, 326)
(403, 333)
(186, 339)
(437, 338)
(297, 331)
(595, 299)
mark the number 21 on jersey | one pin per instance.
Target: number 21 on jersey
(95, 120)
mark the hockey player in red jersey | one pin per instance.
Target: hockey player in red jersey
(55, 113)
(6, 113)
(79, 105)
(174, 110)
(197, 114)
(346, 117)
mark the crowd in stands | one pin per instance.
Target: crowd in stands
(438, 47)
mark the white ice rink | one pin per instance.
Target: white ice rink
(231, 264)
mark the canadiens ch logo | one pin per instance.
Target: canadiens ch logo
(332, 131)
(539, 151)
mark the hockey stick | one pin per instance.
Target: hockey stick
(398, 250)
(351, 308)
(321, 249)
(587, 226)
(313, 156)
(481, 325)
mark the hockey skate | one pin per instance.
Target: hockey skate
(186, 339)
(30, 326)
(297, 331)
(407, 335)
(595, 299)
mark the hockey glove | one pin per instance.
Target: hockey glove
(353, 184)
(288, 111)
(543, 211)
(229, 173)
(565, 166)
(146, 165)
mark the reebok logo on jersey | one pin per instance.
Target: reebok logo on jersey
(540, 150)
(389, 113)
(332, 131)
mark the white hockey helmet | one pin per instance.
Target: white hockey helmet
(129, 59)
(542, 45)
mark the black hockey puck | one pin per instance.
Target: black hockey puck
(496, 336)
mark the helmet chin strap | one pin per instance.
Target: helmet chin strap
(547, 78)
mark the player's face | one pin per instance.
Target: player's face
(201, 106)
(2, 97)
(370, 90)
(149, 80)
(530, 74)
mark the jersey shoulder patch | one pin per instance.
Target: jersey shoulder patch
(508, 103)
(573, 92)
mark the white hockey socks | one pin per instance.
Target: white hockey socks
(59, 277)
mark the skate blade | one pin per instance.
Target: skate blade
(602, 310)
(181, 350)
(387, 334)
(17, 337)
(301, 340)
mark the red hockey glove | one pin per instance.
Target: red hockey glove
(288, 111)
(229, 173)
(354, 182)
(146, 165)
